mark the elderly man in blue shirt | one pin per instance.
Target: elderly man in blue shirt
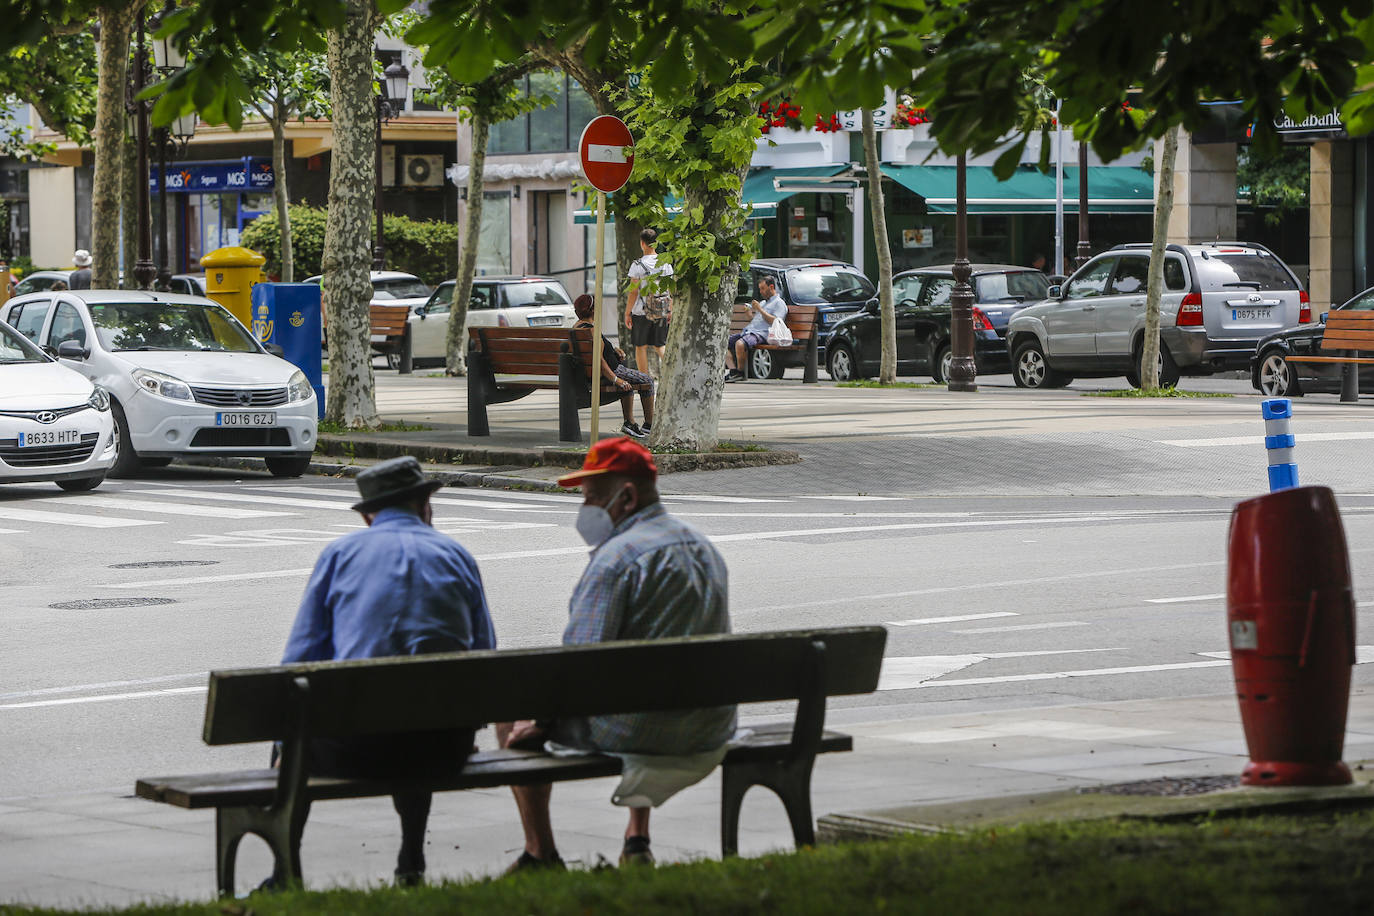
(397, 587)
(650, 576)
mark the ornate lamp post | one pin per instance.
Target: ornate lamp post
(1084, 249)
(962, 370)
(391, 101)
(173, 139)
(144, 270)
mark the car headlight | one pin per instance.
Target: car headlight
(99, 400)
(298, 389)
(162, 385)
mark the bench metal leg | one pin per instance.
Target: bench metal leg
(280, 827)
(406, 358)
(477, 395)
(1350, 381)
(569, 380)
(809, 373)
(791, 782)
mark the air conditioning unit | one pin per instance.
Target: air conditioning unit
(423, 171)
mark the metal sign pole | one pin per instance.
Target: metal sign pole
(596, 313)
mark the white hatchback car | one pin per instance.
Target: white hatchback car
(54, 424)
(496, 302)
(185, 378)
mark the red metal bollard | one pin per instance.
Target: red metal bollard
(1291, 613)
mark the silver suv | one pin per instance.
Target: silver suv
(1220, 300)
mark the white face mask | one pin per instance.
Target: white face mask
(594, 523)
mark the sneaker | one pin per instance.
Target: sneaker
(410, 878)
(527, 862)
(647, 429)
(734, 375)
(636, 852)
(632, 429)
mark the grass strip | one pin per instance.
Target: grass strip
(874, 383)
(1270, 865)
(338, 429)
(1155, 393)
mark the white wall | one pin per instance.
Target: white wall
(52, 223)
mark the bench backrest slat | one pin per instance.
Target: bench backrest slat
(412, 693)
(388, 320)
(531, 351)
(1349, 330)
(801, 320)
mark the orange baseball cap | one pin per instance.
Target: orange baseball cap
(613, 456)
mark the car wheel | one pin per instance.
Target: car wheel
(393, 361)
(126, 462)
(1276, 378)
(842, 365)
(1029, 369)
(82, 483)
(288, 465)
(764, 364)
(1168, 369)
(944, 359)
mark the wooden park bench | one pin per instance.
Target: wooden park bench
(390, 334)
(544, 358)
(1350, 333)
(804, 323)
(294, 703)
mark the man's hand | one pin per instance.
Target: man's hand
(629, 317)
(524, 735)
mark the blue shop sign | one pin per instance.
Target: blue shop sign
(236, 175)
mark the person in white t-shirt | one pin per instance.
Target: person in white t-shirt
(646, 332)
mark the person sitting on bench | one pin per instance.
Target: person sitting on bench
(397, 587)
(756, 332)
(650, 576)
(614, 370)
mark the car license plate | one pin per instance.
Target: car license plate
(1251, 314)
(49, 437)
(545, 321)
(246, 419)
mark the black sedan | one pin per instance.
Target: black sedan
(1272, 373)
(921, 298)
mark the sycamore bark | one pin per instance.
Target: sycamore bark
(347, 287)
(128, 202)
(887, 371)
(116, 27)
(1164, 205)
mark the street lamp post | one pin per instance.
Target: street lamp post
(1084, 249)
(144, 270)
(962, 371)
(168, 59)
(391, 100)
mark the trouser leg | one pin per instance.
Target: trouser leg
(413, 808)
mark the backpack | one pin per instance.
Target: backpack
(655, 292)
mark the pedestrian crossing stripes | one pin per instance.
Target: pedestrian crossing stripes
(66, 518)
(129, 504)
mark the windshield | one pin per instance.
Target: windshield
(1022, 286)
(545, 293)
(828, 283)
(169, 326)
(15, 349)
(401, 288)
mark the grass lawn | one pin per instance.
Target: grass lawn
(1317, 864)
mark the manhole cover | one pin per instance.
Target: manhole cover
(87, 604)
(160, 564)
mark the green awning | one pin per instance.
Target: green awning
(758, 191)
(1111, 189)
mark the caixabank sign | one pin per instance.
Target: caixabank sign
(221, 177)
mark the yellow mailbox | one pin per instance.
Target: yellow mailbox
(230, 275)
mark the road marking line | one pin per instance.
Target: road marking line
(923, 620)
(912, 526)
(1185, 599)
(1055, 675)
(10, 531)
(149, 505)
(105, 698)
(905, 673)
(1026, 626)
(247, 498)
(1259, 440)
(77, 688)
(436, 500)
(66, 518)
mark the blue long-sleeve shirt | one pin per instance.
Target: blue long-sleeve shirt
(396, 588)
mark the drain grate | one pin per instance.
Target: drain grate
(163, 564)
(87, 604)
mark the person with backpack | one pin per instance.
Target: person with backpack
(649, 305)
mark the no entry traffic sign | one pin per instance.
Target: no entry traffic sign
(604, 160)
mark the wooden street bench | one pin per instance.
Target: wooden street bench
(1350, 333)
(804, 323)
(546, 358)
(390, 334)
(293, 703)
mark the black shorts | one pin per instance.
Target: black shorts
(646, 332)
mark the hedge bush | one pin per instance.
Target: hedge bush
(421, 247)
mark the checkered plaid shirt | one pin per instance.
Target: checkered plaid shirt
(654, 577)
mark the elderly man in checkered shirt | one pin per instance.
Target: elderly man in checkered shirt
(650, 576)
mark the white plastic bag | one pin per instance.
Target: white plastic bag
(779, 335)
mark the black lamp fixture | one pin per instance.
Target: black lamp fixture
(391, 101)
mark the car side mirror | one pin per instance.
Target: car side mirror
(274, 349)
(1055, 292)
(871, 307)
(70, 349)
(420, 311)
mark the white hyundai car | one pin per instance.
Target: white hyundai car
(54, 424)
(185, 378)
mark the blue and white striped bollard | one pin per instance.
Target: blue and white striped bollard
(1279, 443)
